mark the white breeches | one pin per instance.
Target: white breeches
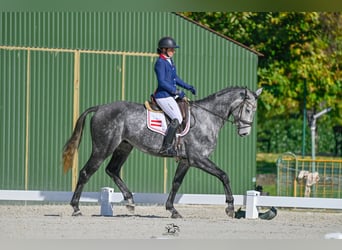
(170, 107)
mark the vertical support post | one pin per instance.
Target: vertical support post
(123, 72)
(313, 150)
(165, 175)
(278, 174)
(313, 144)
(304, 120)
(27, 131)
(251, 202)
(313, 134)
(105, 201)
(76, 113)
(295, 181)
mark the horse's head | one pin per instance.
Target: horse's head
(244, 111)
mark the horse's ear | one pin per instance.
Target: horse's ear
(258, 92)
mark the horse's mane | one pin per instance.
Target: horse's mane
(219, 93)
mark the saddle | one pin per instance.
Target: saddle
(152, 107)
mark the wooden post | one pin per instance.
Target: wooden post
(28, 91)
(123, 69)
(123, 66)
(76, 113)
(165, 175)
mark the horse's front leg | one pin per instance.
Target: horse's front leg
(209, 167)
(182, 169)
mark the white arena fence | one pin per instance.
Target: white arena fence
(107, 197)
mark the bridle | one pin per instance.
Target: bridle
(237, 120)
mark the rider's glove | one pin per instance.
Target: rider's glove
(180, 94)
(193, 90)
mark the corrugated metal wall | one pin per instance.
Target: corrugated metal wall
(12, 114)
(50, 115)
(37, 97)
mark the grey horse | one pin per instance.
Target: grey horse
(119, 126)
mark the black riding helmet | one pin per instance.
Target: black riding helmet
(166, 42)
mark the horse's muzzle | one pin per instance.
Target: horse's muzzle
(244, 131)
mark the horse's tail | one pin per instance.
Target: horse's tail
(74, 141)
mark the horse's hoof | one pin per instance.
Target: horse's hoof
(130, 207)
(77, 213)
(230, 212)
(176, 215)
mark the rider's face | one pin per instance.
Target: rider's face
(170, 51)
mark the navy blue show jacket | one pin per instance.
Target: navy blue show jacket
(167, 78)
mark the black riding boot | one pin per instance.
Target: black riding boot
(167, 148)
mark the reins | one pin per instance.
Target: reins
(209, 111)
(235, 121)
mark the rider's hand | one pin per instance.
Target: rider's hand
(180, 94)
(193, 90)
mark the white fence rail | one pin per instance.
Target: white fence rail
(106, 197)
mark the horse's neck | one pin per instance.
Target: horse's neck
(219, 105)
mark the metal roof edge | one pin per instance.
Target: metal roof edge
(218, 34)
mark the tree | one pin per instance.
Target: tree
(297, 46)
(301, 50)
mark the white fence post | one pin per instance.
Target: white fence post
(106, 201)
(251, 202)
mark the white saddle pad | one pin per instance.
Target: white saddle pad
(156, 122)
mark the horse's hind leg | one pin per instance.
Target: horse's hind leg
(86, 172)
(119, 157)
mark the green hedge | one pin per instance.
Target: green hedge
(281, 135)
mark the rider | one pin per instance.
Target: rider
(167, 92)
